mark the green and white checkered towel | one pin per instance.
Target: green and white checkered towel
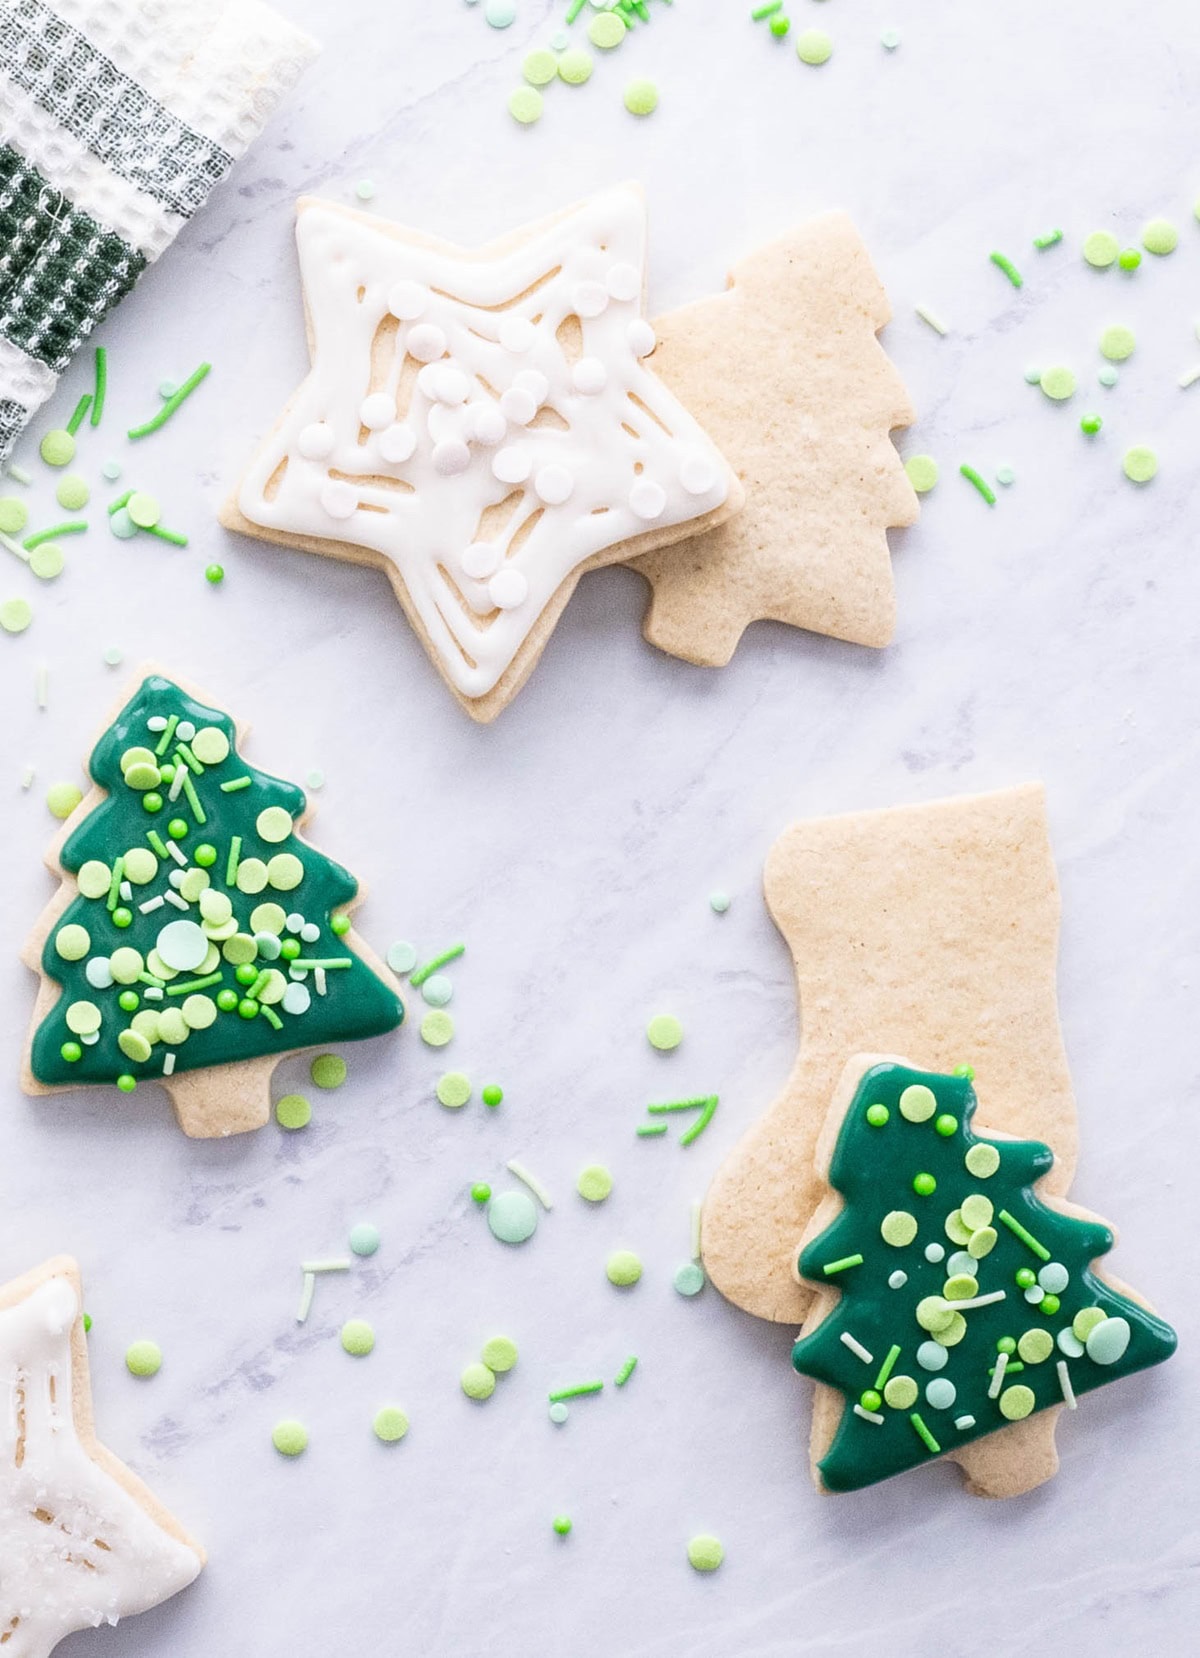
(117, 117)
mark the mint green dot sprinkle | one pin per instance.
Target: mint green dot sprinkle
(1005, 476)
(402, 956)
(437, 990)
(512, 1217)
(690, 1279)
(719, 902)
(364, 1238)
(500, 13)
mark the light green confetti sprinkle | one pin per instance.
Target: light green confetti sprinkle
(526, 105)
(606, 30)
(389, 1424)
(57, 448)
(982, 1160)
(575, 66)
(1017, 1402)
(898, 1228)
(594, 1183)
(814, 47)
(454, 1090)
(540, 67)
(499, 1354)
(901, 1392)
(14, 515)
(917, 1103)
(328, 1071)
(1035, 1346)
(1057, 383)
(15, 615)
(705, 1553)
(62, 799)
(289, 1437)
(143, 1358)
(1140, 464)
(478, 1382)
(623, 1268)
(72, 493)
(664, 1032)
(1101, 248)
(641, 97)
(293, 1111)
(1160, 236)
(437, 1028)
(1117, 343)
(357, 1337)
(922, 472)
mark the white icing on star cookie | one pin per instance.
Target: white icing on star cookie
(461, 402)
(76, 1547)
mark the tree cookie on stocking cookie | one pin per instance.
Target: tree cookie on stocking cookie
(195, 938)
(928, 931)
(82, 1541)
(786, 372)
(483, 426)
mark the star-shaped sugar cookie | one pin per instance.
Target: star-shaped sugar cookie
(82, 1541)
(482, 425)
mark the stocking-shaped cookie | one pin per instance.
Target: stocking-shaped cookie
(929, 931)
(785, 371)
(957, 1311)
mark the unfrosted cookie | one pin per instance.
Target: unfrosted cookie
(195, 938)
(957, 1310)
(82, 1540)
(482, 425)
(785, 371)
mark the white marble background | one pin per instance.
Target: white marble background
(574, 844)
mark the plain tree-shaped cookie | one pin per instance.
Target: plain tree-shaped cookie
(195, 938)
(928, 931)
(792, 384)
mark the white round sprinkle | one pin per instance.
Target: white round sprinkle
(156, 722)
(402, 956)
(450, 457)
(507, 589)
(1054, 1278)
(426, 342)
(553, 484)
(482, 559)
(513, 464)
(427, 381)
(1070, 1344)
(518, 406)
(296, 999)
(177, 878)
(182, 945)
(898, 1279)
(397, 443)
(453, 387)
(316, 441)
(589, 376)
(940, 1393)
(185, 730)
(934, 1252)
(339, 499)
(533, 381)
(408, 300)
(647, 499)
(623, 281)
(98, 973)
(590, 299)
(294, 922)
(1035, 1294)
(697, 476)
(310, 932)
(486, 425)
(517, 334)
(641, 337)
(377, 411)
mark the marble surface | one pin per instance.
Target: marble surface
(574, 845)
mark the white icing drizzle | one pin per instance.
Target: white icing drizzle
(76, 1549)
(440, 388)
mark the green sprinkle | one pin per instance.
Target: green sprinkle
(1116, 343)
(1003, 263)
(846, 1261)
(187, 986)
(72, 493)
(101, 387)
(780, 27)
(328, 1071)
(437, 1028)
(814, 47)
(767, 10)
(641, 97)
(1140, 464)
(623, 1268)
(562, 1525)
(478, 1382)
(422, 973)
(357, 1337)
(453, 1090)
(57, 448)
(32, 541)
(576, 1392)
(981, 484)
(705, 1553)
(234, 784)
(1048, 239)
(293, 1111)
(607, 29)
(1090, 425)
(492, 1095)
(389, 1424)
(664, 1032)
(886, 1368)
(1057, 383)
(1101, 248)
(574, 67)
(1026, 1237)
(289, 1437)
(81, 409)
(214, 574)
(480, 1192)
(231, 866)
(526, 105)
(540, 67)
(14, 515)
(922, 472)
(172, 403)
(594, 1183)
(500, 1354)
(143, 1358)
(193, 799)
(625, 1372)
(1160, 237)
(924, 1435)
(1129, 259)
(877, 1115)
(650, 1131)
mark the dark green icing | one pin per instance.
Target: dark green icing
(873, 1168)
(357, 1003)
